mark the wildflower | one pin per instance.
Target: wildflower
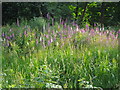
(36, 41)
(112, 35)
(7, 37)
(116, 36)
(20, 35)
(66, 20)
(3, 34)
(8, 44)
(10, 36)
(76, 27)
(104, 33)
(94, 25)
(100, 33)
(97, 29)
(69, 36)
(69, 28)
(52, 21)
(119, 32)
(107, 31)
(53, 32)
(51, 40)
(73, 23)
(54, 39)
(87, 26)
(92, 31)
(65, 26)
(48, 16)
(83, 31)
(13, 35)
(62, 23)
(49, 31)
(25, 33)
(65, 37)
(47, 36)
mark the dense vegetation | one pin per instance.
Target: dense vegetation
(48, 54)
(60, 45)
(105, 13)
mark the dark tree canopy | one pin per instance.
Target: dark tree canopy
(105, 13)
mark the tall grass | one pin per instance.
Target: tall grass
(63, 56)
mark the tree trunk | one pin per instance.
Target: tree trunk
(102, 15)
(83, 13)
(76, 12)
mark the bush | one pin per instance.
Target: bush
(38, 23)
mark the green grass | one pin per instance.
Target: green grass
(77, 63)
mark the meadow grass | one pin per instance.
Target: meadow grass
(63, 56)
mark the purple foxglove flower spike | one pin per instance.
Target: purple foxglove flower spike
(49, 42)
(62, 22)
(47, 36)
(94, 25)
(3, 34)
(52, 21)
(8, 37)
(36, 41)
(49, 31)
(48, 17)
(65, 26)
(25, 32)
(119, 32)
(77, 28)
(117, 35)
(13, 35)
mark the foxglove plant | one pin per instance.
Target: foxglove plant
(48, 16)
(36, 41)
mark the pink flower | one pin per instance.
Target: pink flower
(3, 34)
(25, 32)
(92, 31)
(52, 21)
(97, 29)
(104, 33)
(94, 24)
(36, 41)
(47, 36)
(119, 32)
(51, 40)
(83, 31)
(77, 28)
(13, 35)
(116, 35)
(49, 31)
(48, 16)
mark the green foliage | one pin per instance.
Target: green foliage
(38, 23)
(110, 12)
(75, 58)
